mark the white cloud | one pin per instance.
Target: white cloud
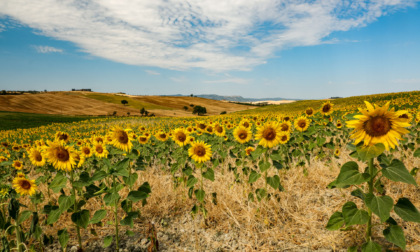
(2, 27)
(48, 49)
(152, 72)
(229, 80)
(175, 34)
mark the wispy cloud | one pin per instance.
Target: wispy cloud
(229, 80)
(47, 49)
(407, 81)
(2, 27)
(175, 34)
(152, 72)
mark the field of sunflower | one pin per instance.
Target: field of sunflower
(275, 178)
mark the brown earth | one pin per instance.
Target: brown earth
(76, 103)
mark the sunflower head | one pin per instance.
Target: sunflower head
(339, 124)
(61, 156)
(121, 138)
(180, 136)
(309, 111)
(285, 126)
(268, 134)
(302, 123)
(248, 150)
(62, 136)
(86, 151)
(100, 150)
(242, 134)
(200, 152)
(327, 108)
(24, 186)
(18, 165)
(378, 125)
(219, 130)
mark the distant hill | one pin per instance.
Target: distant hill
(237, 98)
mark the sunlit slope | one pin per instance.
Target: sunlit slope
(93, 103)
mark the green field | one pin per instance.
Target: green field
(18, 120)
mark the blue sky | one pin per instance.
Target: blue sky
(267, 48)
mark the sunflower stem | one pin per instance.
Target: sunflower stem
(116, 217)
(370, 183)
(18, 239)
(79, 238)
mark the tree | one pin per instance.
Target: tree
(192, 95)
(124, 102)
(199, 110)
(185, 108)
(142, 111)
(114, 113)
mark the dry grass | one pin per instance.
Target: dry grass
(291, 220)
(88, 103)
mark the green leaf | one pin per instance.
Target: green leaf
(81, 218)
(58, 183)
(352, 249)
(417, 153)
(107, 241)
(130, 180)
(354, 216)
(278, 165)
(395, 234)
(111, 198)
(276, 155)
(98, 216)
(381, 206)
(371, 246)
(137, 195)
(199, 194)
(254, 176)
(257, 152)
(98, 176)
(53, 216)
(261, 193)
(209, 174)
(335, 222)
(145, 187)
(63, 237)
(128, 220)
(264, 165)
(191, 181)
(129, 233)
(350, 175)
(367, 152)
(24, 216)
(358, 193)
(406, 210)
(397, 172)
(65, 202)
(274, 181)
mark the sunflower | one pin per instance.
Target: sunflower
(309, 111)
(180, 136)
(162, 136)
(327, 108)
(18, 165)
(100, 150)
(24, 186)
(339, 124)
(200, 152)
(242, 134)
(209, 129)
(201, 125)
(62, 136)
(97, 139)
(248, 150)
(121, 138)
(378, 125)
(285, 126)
(61, 156)
(219, 130)
(269, 133)
(302, 123)
(3, 159)
(284, 138)
(20, 175)
(36, 157)
(86, 151)
(337, 152)
(143, 139)
(245, 123)
(405, 115)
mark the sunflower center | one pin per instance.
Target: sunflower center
(143, 139)
(326, 108)
(122, 137)
(200, 151)
(25, 184)
(201, 126)
(99, 149)
(246, 124)
(309, 111)
(209, 129)
(405, 116)
(302, 124)
(18, 164)
(377, 126)
(284, 127)
(63, 155)
(163, 136)
(242, 135)
(269, 134)
(63, 137)
(181, 137)
(86, 151)
(38, 157)
(219, 129)
(284, 138)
